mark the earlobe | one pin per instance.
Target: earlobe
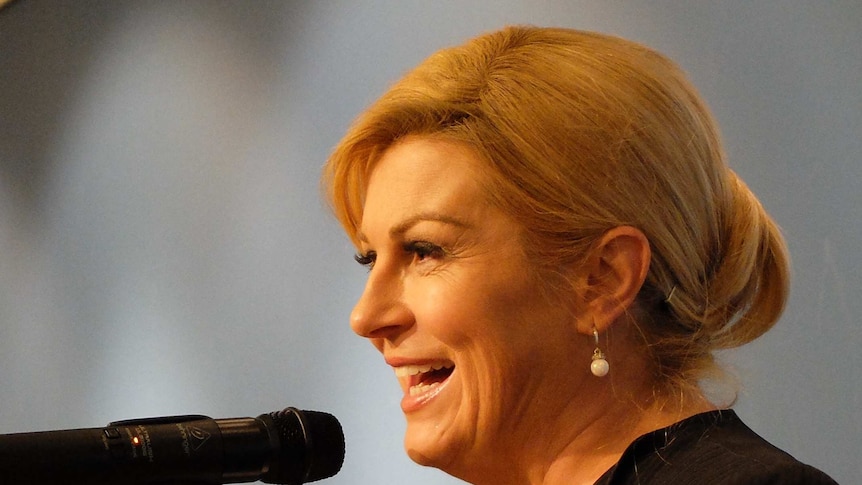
(616, 269)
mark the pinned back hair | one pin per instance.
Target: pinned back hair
(581, 132)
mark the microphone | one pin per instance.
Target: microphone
(283, 447)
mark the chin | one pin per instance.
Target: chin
(429, 448)
(441, 461)
(445, 459)
(429, 452)
(421, 458)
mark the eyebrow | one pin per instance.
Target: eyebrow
(411, 221)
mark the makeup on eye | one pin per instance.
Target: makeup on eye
(366, 259)
(423, 250)
(412, 238)
(418, 250)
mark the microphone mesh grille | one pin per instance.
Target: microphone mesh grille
(312, 446)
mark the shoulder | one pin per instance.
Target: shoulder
(709, 448)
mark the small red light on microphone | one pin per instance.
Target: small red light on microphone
(136, 441)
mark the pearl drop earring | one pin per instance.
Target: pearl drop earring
(599, 366)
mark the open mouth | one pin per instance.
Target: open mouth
(423, 378)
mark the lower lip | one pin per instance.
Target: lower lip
(410, 404)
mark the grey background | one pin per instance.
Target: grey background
(164, 249)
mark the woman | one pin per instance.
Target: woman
(556, 248)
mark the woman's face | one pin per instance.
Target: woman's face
(483, 357)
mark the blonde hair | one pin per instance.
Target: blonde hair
(581, 132)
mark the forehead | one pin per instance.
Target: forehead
(421, 176)
(417, 169)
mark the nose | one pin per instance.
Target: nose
(381, 311)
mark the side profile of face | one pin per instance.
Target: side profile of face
(481, 353)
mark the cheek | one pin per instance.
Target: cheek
(462, 315)
(494, 296)
(511, 336)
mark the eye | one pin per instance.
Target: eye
(423, 250)
(366, 259)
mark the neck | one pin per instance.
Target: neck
(588, 436)
(600, 443)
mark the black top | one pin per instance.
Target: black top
(709, 448)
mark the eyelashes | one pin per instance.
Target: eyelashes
(419, 251)
(423, 250)
(366, 259)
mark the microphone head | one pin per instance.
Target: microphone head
(310, 448)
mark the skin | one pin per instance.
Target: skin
(449, 286)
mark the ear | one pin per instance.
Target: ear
(615, 270)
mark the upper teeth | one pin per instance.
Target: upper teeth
(412, 370)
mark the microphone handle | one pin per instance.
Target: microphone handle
(177, 449)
